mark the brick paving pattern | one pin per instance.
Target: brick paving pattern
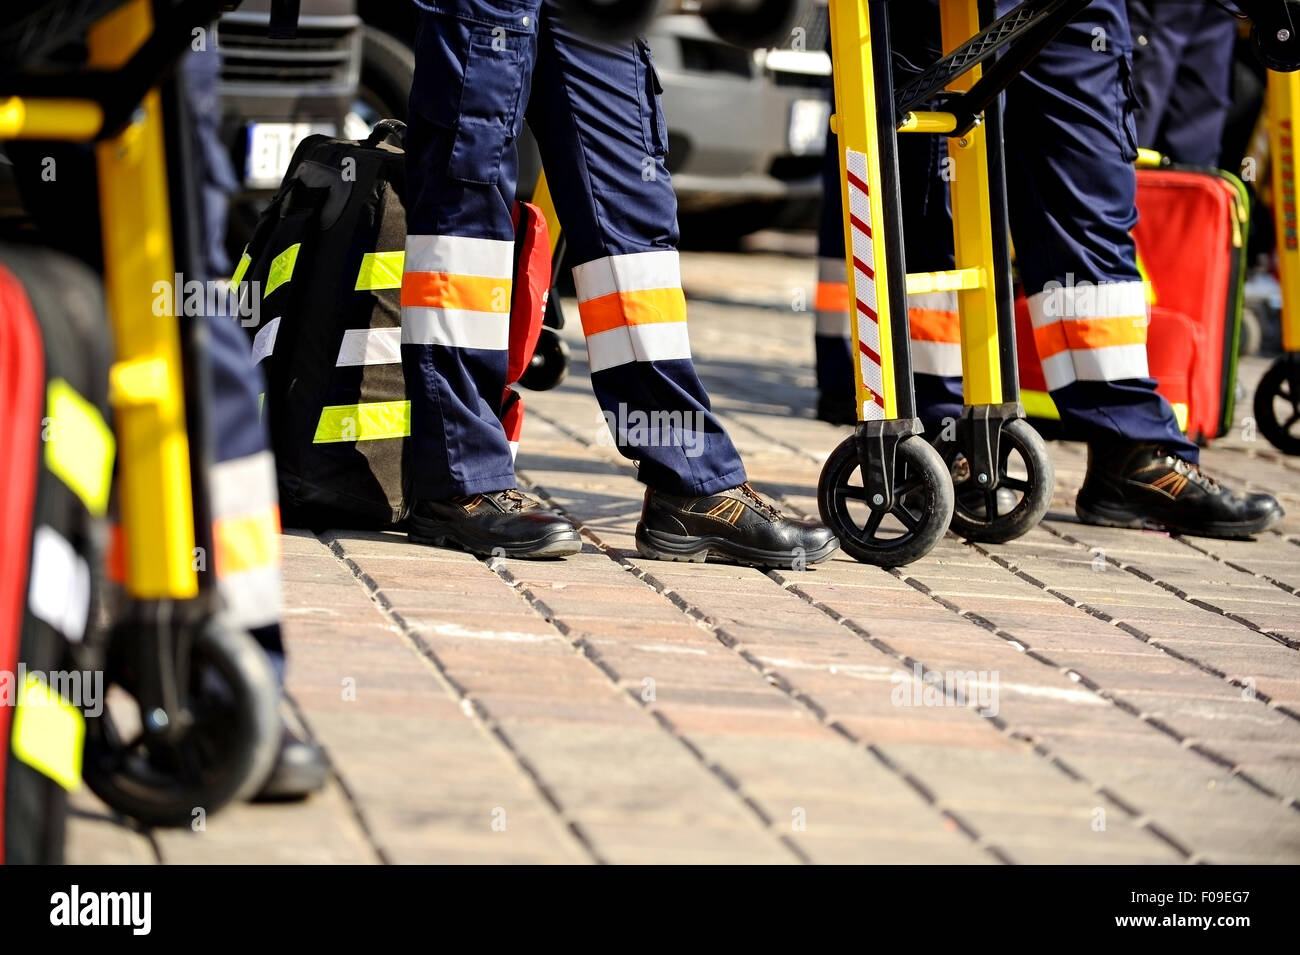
(611, 709)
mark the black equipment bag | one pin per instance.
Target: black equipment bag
(320, 295)
(54, 360)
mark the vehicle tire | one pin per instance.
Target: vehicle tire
(1252, 334)
(922, 511)
(387, 70)
(226, 753)
(550, 362)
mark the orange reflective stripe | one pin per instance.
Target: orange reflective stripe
(1050, 340)
(632, 308)
(832, 297)
(246, 542)
(934, 325)
(472, 293)
(1086, 334)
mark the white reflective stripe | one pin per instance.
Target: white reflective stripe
(873, 379)
(657, 341)
(264, 340)
(455, 328)
(1085, 300)
(370, 346)
(833, 323)
(832, 270)
(610, 348)
(514, 450)
(243, 485)
(1114, 363)
(936, 358)
(635, 272)
(660, 341)
(252, 597)
(58, 591)
(1058, 371)
(934, 301)
(489, 258)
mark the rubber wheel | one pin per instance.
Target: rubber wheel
(550, 362)
(1252, 334)
(1277, 408)
(1025, 474)
(923, 502)
(1279, 55)
(611, 20)
(387, 68)
(226, 753)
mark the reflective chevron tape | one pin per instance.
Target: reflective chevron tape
(79, 446)
(380, 270)
(367, 421)
(864, 286)
(281, 269)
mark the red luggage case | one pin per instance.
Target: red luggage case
(1192, 225)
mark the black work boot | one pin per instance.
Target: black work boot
(735, 525)
(497, 522)
(300, 770)
(1147, 485)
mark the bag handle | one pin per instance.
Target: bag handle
(385, 128)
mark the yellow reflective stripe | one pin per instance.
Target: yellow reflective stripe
(1039, 404)
(1146, 278)
(261, 402)
(244, 261)
(368, 421)
(48, 733)
(79, 446)
(281, 268)
(380, 270)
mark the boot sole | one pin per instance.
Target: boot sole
(557, 544)
(1116, 517)
(656, 545)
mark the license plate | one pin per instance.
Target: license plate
(271, 146)
(809, 119)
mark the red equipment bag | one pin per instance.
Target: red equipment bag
(1191, 232)
(54, 359)
(532, 289)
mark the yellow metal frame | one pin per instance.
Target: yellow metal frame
(1283, 100)
(854, 124)
(146, 386)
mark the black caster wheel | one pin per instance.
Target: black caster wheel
(1277, 404)
(550, 362)
(921, 512)
(225, 750)
(1276, 40)
(1026, 480)
(764, 23)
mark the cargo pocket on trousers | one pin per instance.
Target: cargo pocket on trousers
(489, 115)
(1127, 107)
(654, 127)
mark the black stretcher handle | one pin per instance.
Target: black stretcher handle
(385, 128)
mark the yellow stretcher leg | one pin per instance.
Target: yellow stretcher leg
(854, 123)
(146, 382)
(542, 199)
(972, 220)
(1283, 101)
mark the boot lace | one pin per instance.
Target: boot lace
(1194, 473)
(760, 505)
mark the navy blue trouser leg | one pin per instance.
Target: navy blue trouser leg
(595, 111)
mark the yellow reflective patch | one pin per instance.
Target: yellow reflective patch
(244, 261)
(261, 403)
(1180, 414)
(1039, 404)
(79, 446)
(380, 270)
(49, 733)
(368, 421)
(281, 268)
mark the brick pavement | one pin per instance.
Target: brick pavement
(611, 709)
